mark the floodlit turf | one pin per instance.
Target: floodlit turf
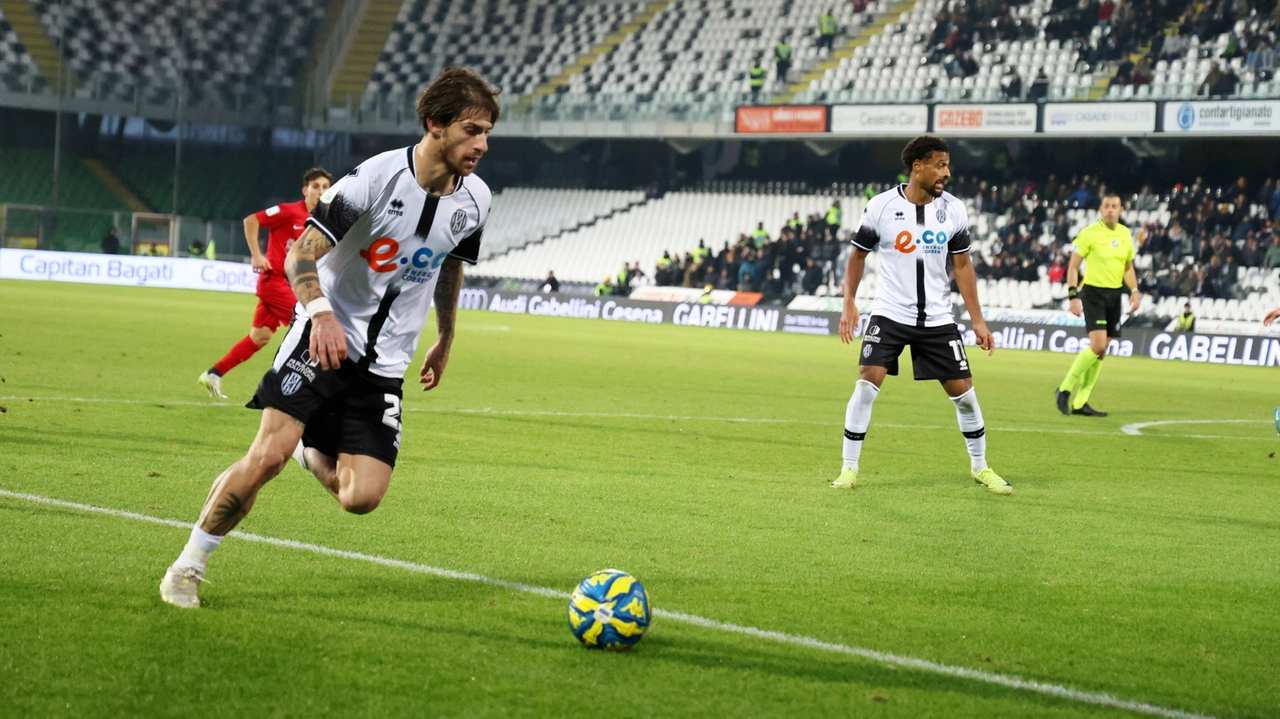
(1140, 566)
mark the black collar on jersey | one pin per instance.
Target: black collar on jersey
(457, 179)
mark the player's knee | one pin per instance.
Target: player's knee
(265, 463)
(260, 336)
(358, 501)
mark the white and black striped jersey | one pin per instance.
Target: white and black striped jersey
(390, 237)
(914, 241)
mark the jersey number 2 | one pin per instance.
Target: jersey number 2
(391, 417)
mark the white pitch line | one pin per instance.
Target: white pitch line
(679, 417)
(924, 665)
(1136, 428)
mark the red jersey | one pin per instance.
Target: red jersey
(286, 222)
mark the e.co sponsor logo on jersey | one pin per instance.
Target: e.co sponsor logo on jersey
(382, 256)
(906, 243)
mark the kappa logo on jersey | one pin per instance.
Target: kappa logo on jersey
(933, 242)
(459, 220)
(383, 255)
(397, 208)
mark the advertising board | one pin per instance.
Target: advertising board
(966, 119)
(884, 120)
(790, 119)
(1099, 118)
(172, 272)
(1225, 117)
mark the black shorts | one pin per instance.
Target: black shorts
(936, 352)
(1102, 308)
(345, 410)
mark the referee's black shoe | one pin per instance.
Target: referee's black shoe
(1088, 411)
(1064, 401)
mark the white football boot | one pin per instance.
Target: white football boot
(179, 587)
(213, 383)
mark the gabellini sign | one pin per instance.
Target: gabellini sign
(171, 272)
(1227, 117)
(1099, 118)
(883, 120)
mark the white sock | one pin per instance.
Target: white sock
(300, 455)
(969, 414)
(199, 547)
(857, 417)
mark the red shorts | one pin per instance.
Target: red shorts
(275, 305)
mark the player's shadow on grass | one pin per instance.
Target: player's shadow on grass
(82, 439)
(1123, 516)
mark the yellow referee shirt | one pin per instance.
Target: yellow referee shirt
(1107, 252)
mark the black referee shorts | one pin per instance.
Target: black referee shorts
(344, 410)
(1102, 308)
(936, 352)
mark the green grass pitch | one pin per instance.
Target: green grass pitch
(1144, 567)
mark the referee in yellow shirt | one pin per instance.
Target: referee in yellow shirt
(1108, 246)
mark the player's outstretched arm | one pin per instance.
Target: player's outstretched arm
(967, 283)
(328, 341)
(852, 278)
(260, 261)
(446, 304)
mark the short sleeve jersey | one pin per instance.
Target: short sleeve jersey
(390, 237)
(1106, 252)
(914, 241)
(285, 223)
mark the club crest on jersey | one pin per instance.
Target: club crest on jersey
(292, 383)
(458, 221)
(383, 255)
(942, 215)
(1115, 243)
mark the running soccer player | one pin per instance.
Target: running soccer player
(380, 246)
(916, 227)
(1108, 246)
(285, 223)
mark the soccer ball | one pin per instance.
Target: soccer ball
(609, 610)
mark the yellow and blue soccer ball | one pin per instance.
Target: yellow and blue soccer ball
(609, 610)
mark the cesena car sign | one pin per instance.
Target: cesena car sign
(1239, 117)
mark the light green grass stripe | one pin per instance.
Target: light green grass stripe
(923, 665)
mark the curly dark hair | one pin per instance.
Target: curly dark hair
(920, 149)
(455, 92)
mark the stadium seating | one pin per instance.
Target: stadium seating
(231, 50)
(524, 214)
(676, 222)
(516, 45)
(18, 73)
(28, 180)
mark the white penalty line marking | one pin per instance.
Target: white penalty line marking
(1129, 429)
(1004, 680)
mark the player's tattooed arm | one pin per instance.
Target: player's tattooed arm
(446, 298)
(446, 303)
(300, 265)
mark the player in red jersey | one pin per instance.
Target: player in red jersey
(275, 297)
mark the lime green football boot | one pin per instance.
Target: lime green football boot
(993, 481)
(848, 479)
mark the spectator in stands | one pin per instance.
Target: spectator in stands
(757, 80)
(827, 28)
(1174, 46)
(1210, 81)
(782, 59)
(1013, 86)
(1083, 196)
(1253, 253)
(1265, 192)
(1228, 276)
(1039, 87)
(605, 287)
(1272, 258)
(551, 284)
(835, 218)
(1146, 201)
(1227, 84)
(110, 243)
(812, 278)
(1186, 320)
(759, 236)
(1141, 73)
(1057, 271)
